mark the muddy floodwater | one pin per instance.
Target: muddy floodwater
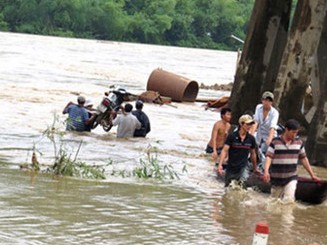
(39, 75)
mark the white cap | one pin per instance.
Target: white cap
(88, 103)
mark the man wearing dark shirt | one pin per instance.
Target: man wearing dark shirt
(237, 147)
(143, 118)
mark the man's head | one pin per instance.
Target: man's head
(226, 114)
(246, 119)
(139, 104)
(246, 122)
(267, 100)
(292, 127)
(268, 96)
(292, 124)
(128, 107)
(81, 100)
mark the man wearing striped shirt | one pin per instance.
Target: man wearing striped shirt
(282, 157)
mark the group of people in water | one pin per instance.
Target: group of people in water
(256, 138)
(129, 123)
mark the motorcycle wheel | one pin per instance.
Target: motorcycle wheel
(107, 128)
(96, 122)
(106, 122)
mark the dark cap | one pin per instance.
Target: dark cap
(81, 99)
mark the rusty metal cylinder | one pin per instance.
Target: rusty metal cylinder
(176, 87)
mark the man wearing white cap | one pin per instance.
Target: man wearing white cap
(237, 147)
(91, 112)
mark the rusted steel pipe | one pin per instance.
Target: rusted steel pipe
(176, 87)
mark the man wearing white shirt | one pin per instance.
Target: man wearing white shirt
(266, 121)
(127, 123)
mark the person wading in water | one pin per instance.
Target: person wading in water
(219, 134)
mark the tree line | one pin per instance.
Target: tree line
(187, 23)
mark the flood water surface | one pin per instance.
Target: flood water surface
(40, 75)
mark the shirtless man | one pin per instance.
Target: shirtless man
(219, 133)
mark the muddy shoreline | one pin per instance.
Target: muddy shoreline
(224, 87)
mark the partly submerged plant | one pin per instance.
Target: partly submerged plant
(34, 166)
(150, 167)
(35, 162)
(64, 164)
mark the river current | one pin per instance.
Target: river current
(39, 75)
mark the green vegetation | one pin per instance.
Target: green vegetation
(149, 167)
(64, 162)
(66, 166)
(190, 23)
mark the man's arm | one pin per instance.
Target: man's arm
(253, 157)
(256, 119)
(266, 175)
(115, 122)
(307, 166)
(138, 123)
(273, 126)
(88, 121)
(66, 107)
(253, 128)
(228, 127)
(270, 136)
(223, 156)
(214, 134)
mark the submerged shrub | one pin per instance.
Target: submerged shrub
(64, 164)
(151, 167)
(148, 167)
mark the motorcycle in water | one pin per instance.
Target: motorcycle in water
(110, 103)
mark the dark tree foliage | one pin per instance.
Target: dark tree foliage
(196, 23)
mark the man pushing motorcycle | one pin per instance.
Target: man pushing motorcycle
(126, 122)
(78, 117)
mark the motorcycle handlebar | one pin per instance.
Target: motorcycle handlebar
(117, 93)
(120, 92)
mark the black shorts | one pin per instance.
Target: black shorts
(209, 149)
